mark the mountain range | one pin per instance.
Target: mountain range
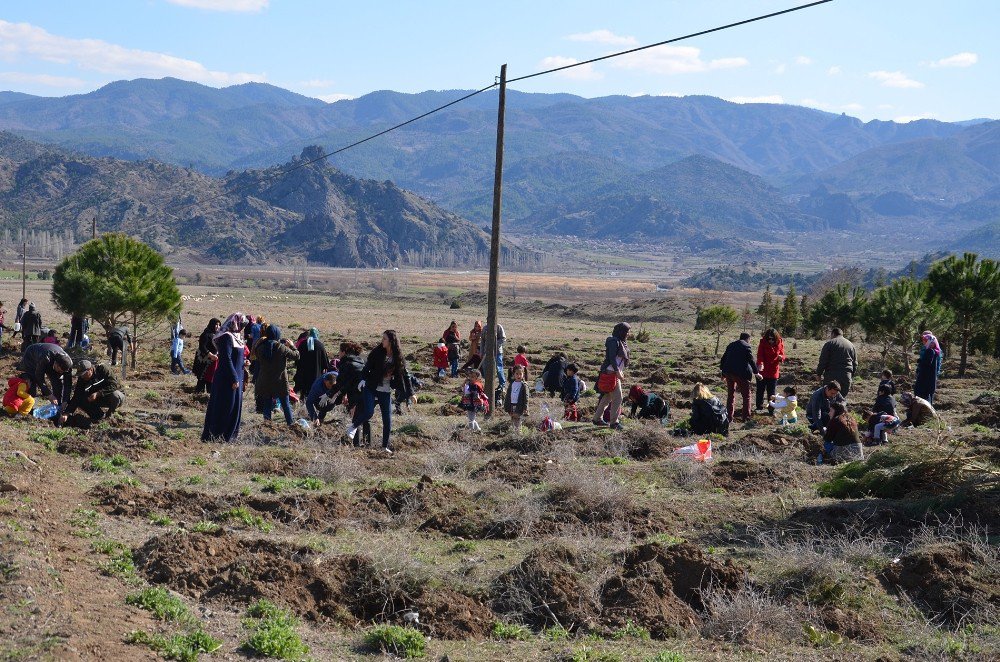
(310, 211)
(694, 169)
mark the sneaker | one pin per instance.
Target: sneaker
(387, 449)
(616, 426)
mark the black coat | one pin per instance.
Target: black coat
(348, 378)
(925, 383)
(373, 373)
(706, 416)
(738, 360)
(552, 374)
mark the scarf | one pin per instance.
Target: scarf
(273, 337)
(931, 342)
(313, 337)
(231, 327)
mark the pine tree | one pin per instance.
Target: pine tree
(718, 319)
(789, 319)
(766, 308)
(970, 289)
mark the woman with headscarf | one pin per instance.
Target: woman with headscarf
(205, 354)
(928, 368)
(273, 353)
(475, 336)
(383, 373)
(225, 404)
(313, 362)
(609, 382)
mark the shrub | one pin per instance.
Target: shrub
(455, 305)
(631, 631)
(510, 631)
(185, 647)
(163, 605)
(204, 526)
(272, 632)
(243, 515)
(404, 642)
(113, 464)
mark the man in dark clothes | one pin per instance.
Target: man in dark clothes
(837, 361)
(42, 360)
(117, 338)
(738, 367)
(31, 326)
(97, 390)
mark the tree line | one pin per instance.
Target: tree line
(959, 299)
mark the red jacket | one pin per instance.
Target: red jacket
(440, 356)
(17, 392)
(769, 358)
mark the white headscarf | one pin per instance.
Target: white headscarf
(233, 327)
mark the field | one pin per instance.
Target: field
(579, 544)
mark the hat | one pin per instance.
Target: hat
(83, 366)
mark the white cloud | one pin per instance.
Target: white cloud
(19, 40)
(803, 60)
(333, 98)
(315, 83)
(957, 60)
(675, 60)
(813, 103)
(604, 37)
(671, 94)
(772, 98)
(834, 71)
(904, 119)
(583, 72)
(224, 5)
(780, 69)
(895, 79)
(41, 79)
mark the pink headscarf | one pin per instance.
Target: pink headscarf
(232, 326)
(931, 342)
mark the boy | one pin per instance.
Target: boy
(176, 348)
(888, 382)
(17, 399)
(516, 402)
(786, 406)
(441, 362)
(570, 393)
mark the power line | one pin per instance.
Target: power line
(671, 41)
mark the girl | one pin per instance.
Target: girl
(786, 406)
(474, 398)
(708, 414)
(273, 354)
(205, 356)
(647, 405)
(841, 440)
(452, 339)
(611, 375)
(475, 336)
(516, 402)
(383, 373)
(225, 404)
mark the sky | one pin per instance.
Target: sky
(873, 59)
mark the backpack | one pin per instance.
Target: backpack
(720, 420)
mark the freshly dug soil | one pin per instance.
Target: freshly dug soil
(949, 582)
(747, 477)
(346, 589)
(517, 470)
(129, 438)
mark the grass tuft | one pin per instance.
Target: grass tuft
(396, 640)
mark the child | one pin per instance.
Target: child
(17, 399)
(441, 361)
(649, 405)
(521, 360)
(51, 337)
(887, 381)
(474, 397)
(883, 417)
(176, 347)
(786, 406)
(571, 393)
(516, 402)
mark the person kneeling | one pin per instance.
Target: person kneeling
(98, 392)
(648, 405)
(319, 401)
(841, 440)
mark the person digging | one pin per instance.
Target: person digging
(98, 392)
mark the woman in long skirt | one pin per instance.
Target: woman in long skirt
(225, 404)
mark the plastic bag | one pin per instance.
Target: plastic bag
(539, 386)
(699, 452)
(46, 412)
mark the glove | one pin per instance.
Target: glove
(324, 401)
(361, 384)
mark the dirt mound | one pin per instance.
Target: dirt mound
(514, 469)
(986, 400)
(117, 435)
(988, 415)
(320, 512)
(649, 442)
(548, 588)
(661, 587)
(346, 589)
(420, 500)
(862, 516)
(749, 477)
(278, 462)
(950, 582)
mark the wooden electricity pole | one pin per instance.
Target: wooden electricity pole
(490, 353)
(24, 270)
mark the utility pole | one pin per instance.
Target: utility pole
(491, 313)
(24, 270)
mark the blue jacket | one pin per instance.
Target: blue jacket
(570, 389)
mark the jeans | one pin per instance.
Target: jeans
(177, 366)
(769, 385)
(454, 367)
(732, 383)
(611, 399)
(366, 410)
(286, 409)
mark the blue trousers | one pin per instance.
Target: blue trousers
(286, 409)
(454, 367)
(366, 409)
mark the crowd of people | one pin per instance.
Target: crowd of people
(242, 350)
